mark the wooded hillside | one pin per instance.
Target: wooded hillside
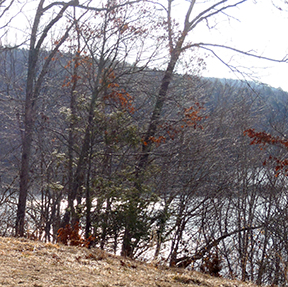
(111, 138)
(205, 194)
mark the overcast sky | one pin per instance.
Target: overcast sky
(261, 28)
(255, 26)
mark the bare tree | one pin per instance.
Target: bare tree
(33, 88)
(178, 43)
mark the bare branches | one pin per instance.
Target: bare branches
(51, 24)
(6, 8)
(187, 260)
(110, 8)
(210, 12)
(187, 23)
(49, 59)
(62, 3)
(203, 45)
(75, 3)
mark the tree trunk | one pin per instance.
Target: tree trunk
(32, 93)
(29, 119)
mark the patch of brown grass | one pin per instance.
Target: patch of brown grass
(36, 264)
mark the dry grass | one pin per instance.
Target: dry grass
(34, 264)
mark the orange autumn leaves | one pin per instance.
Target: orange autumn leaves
(190, 117)
(120, 97)
(113, 94)
(262, 139)
(116, 95)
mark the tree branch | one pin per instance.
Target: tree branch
(76, 4)
(170, 26)
(6, 8)
(50, 25)
(248, 54)
(203, 45)
(201, 16)
(185, 261)
(49, 59)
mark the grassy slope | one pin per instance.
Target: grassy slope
(34, 264)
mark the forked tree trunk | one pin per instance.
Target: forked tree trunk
(29, 119)
(33, 86)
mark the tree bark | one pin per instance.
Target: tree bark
(33, 86)
(28, 125)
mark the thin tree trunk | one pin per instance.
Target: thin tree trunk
(79, 174)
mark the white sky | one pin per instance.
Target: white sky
(258, 27)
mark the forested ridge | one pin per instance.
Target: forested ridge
(111, 138)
